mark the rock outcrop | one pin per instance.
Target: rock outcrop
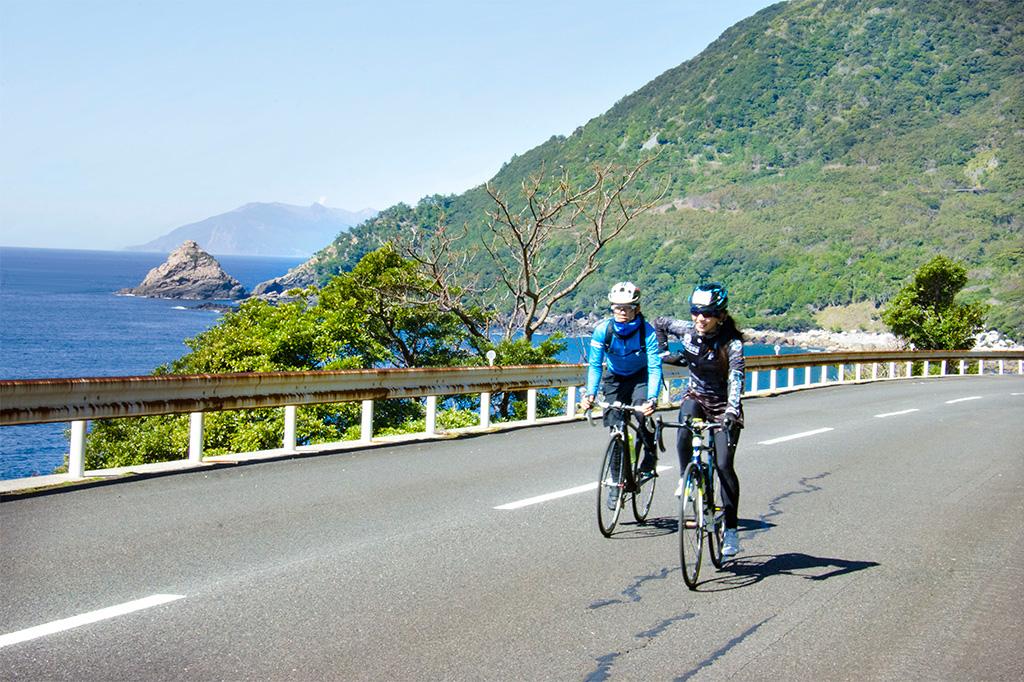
(189, 274)
(299, 277)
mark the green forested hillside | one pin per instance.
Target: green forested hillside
(815, 154)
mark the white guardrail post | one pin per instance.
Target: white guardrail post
(195, 437)
(485, 410)
(289, 440)
(431, 417)
(531, 406)
(570, 401)
(76, 456)
(366, 424)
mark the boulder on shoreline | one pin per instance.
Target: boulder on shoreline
(189, 274)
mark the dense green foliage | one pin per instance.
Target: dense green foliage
(369, 317)
(812, 155)
(925, 311)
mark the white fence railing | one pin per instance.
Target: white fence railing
(80, 400)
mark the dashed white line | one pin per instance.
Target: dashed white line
(87, 618)
(794, 436)
(1017, 394)
(960, 400)
(896, 414)
(555, 495)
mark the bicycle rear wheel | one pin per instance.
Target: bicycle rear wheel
(716, 520)
(643, 496)
(609, 487)
(691, 525)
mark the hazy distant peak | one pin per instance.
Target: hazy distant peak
(263, 229)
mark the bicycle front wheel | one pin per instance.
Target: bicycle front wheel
(716, 518)
(643, 496)
(691, 525)
(609, 487)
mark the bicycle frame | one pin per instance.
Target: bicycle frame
(619, 476)
(623, 430)
(710, 515)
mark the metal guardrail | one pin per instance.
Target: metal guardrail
(79, 400)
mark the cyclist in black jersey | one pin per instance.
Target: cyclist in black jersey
(713, 350)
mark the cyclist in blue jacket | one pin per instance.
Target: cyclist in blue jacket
(629, 346)
(713, 350)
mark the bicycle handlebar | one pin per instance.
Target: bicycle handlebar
(614, 406)
(692, 423)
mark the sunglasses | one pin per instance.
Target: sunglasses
(695, 311)
(623, 307)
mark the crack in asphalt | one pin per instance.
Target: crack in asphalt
(632, 593)
(707, 662)
(605, 663)
(773, 504)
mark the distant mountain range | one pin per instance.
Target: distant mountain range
(262, 229)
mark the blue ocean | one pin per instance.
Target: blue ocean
(60, 318)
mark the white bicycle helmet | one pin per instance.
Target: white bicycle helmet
(624, 293)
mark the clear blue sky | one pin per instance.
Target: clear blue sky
(121, 120)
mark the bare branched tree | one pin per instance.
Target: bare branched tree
(527, 246)
(521, 242)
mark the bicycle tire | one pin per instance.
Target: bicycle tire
(609, 481)
(643, 496)
(716, 526)
(691, 525)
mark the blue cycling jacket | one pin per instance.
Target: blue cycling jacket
(624, 356)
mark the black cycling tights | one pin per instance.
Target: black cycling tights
(725, 453)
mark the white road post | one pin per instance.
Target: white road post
(485, 397)
(531, 406)
(570, 401)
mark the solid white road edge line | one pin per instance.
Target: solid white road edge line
(894, 414)
(555, 495)
(960, 400)
(783, 439)
(87, 618)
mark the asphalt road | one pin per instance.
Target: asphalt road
(890, 546)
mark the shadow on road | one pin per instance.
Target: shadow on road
(653, 527)
(749, 570)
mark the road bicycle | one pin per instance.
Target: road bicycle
(620, 470)
(701, 512)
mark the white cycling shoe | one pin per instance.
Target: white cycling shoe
(731, 543)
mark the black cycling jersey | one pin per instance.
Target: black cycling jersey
(716, 366)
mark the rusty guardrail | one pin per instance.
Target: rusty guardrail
(79, 400)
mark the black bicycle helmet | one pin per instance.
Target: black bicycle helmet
(709, 299)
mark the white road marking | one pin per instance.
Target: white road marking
(783, 439)
(1017, 394)
(87, 618)
(960, 400)
(555, 495)
(894, 414)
